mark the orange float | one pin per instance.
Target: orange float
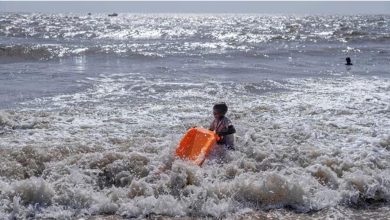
(196, 145)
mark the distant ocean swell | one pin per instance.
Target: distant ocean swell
(38, 36)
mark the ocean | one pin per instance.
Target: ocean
(92, 108)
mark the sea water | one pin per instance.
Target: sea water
(93, 107)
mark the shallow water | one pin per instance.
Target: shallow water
(94, 134)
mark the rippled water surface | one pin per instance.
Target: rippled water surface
(93, 107)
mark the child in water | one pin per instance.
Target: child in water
(223, 126)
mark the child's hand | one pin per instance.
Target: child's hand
(219, 141)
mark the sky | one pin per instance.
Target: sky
(277, 7)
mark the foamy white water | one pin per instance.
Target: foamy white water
(323, 145)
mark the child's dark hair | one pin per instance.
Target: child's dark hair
(221, 107)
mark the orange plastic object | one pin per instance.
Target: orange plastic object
(196, 145)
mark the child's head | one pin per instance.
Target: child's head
(220, 109)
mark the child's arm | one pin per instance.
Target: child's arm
(230, 130)
(211, 128)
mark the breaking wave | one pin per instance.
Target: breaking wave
(320, 147)
(47, 52)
